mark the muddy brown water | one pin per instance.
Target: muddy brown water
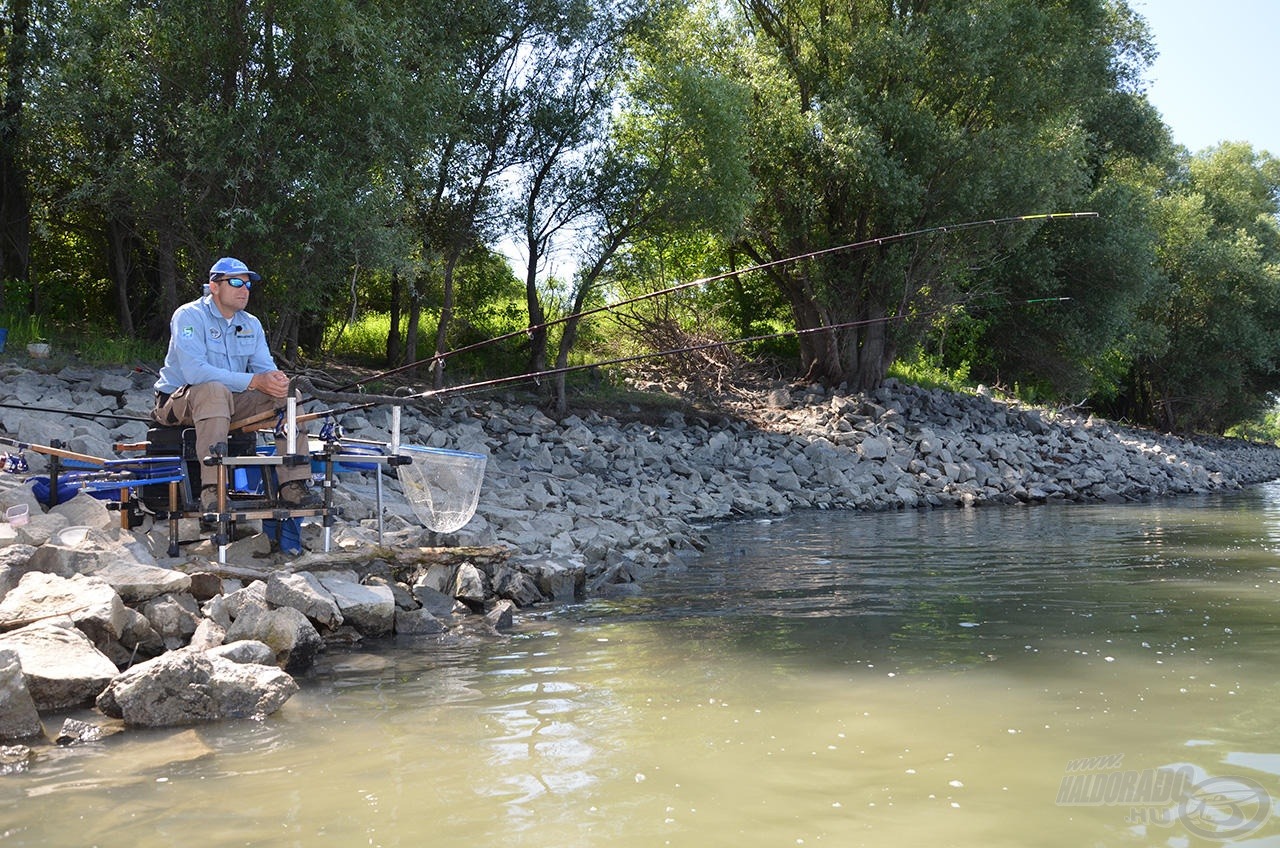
(1059, 675)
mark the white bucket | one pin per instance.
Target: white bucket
(442, 486)
(17, 515)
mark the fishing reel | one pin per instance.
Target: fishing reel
(13, 463)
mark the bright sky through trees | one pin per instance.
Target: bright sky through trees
(1215, 77)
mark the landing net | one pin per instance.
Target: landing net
(442, 486)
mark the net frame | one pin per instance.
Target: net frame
(442, 486)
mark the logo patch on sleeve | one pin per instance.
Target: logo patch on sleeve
(188, 332)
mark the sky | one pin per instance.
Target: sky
(1214, 79)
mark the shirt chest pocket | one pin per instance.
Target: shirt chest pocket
(244, 344)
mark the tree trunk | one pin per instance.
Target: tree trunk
(446, 316)
(560, 396)
(15, 200)
(537, 318)
(120, 261)
(873, 356)
(393, 332)
(415, 320)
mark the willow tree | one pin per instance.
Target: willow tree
(625, 145)
(873, 117)
(15, 202)
(1218, 360)
(1081, 348)
(172, 133)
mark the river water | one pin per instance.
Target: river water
(1050, 676)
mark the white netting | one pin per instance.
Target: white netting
(442, 486)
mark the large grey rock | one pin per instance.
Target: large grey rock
(560, 582)
(369, 609)
(288, 632)
(438, 577)
(61, 665)
(208, 635)
(19, 718)
(469, 584)
(14, 562)
(501, 616)
(173, 617)
(139, 637)
(137, 582)
(433, 601)
(246, 651)
(304, 592)
(115, 562)
(84, 510)
(231, 606)
(20, 493)
(40, 528)
(189, 687)
(93, 605)
(418, 622)
(516, 586)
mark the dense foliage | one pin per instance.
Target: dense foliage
(453, 172)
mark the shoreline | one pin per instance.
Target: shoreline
(590, 506)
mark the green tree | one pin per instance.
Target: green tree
(182, 131)
(875, 118)
(1080, 348)
(15, 200)
(1219, 248)
(460, 145)
(672, 170)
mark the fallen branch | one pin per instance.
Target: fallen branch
(17, 623)
(397, 557)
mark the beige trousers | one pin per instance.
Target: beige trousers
(209, 407)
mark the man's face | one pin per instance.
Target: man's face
(229, 295)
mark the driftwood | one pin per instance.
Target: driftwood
(482, 556)
(16, 623)
(477, 555)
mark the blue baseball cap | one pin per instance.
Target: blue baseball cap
(227, 266)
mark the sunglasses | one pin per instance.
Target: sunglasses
(235, 282)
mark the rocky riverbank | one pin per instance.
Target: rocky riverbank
(588, 506)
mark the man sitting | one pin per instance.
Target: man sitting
(218, 367)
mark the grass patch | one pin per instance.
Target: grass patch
(928, 372)
(90, 344)
(364, 342)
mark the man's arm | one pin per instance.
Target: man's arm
(266, 377)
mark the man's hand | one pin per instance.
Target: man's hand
(272, 383)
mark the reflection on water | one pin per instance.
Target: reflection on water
(934, 678)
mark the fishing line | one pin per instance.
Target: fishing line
(75, 413)
(813, 254)
(623, 360)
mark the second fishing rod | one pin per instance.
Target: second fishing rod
(864, 244)
(853, 246)
(535, 377)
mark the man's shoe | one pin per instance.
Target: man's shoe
(297, 494)
(208, 498)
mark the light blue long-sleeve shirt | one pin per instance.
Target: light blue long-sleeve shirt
(204, 347)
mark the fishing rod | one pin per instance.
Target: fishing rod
(813, 254)
(73, 412)
(623, 360)
(51, 450)
(483, 385)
